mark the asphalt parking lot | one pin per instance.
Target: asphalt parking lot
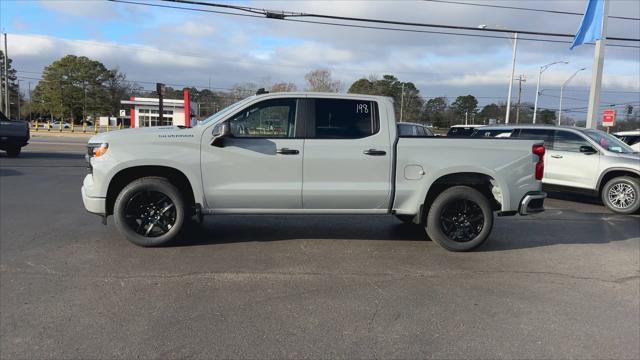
(561, 284)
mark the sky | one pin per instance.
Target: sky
(187, 48)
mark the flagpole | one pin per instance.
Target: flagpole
(596, 72)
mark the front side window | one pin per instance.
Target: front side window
(568, 141)
(268, 119)
(344, 119)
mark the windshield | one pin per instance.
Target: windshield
(609, 142)
(222, 113)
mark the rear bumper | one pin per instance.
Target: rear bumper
(532, 203)
(12, 141)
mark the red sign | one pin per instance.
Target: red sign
(608, 117)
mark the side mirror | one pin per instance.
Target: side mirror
(220, 131)
(587, 150)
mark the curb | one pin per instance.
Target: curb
(61, 134)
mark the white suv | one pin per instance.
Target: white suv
(591, 160)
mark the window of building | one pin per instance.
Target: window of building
(344, 119)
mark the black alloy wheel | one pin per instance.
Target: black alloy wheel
(462, 220)
(150, 213)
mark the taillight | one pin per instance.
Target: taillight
(539, 150)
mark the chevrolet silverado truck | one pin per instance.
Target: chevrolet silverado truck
(309, 153)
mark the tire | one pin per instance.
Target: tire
(460, 219)
(622, 195)
(14, 151)
(150, 211)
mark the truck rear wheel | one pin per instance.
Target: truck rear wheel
(460, 219)
(150, 211)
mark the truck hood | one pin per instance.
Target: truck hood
(145, 134)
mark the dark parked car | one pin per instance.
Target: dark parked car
(461, 130)
(492, 131)
(14, 135)
(406, 129)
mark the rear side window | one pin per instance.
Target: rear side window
(630, 139)
(343, 119)
(568, 141)
(545, 135)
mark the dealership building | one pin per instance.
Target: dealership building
(144, 112)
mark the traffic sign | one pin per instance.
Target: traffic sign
(608, 117)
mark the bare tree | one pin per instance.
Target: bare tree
(243, 90)
(320, 81)
(284, 87)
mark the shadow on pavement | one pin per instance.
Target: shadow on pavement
(576, 197)
(508, 234)
(46, 155)
(9, 172)
(237, 229)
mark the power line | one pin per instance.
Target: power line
(526, 9)
(365, 26)
(282, 15)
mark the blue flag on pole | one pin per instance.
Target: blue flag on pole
(591, 26)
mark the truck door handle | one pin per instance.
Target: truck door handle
(287, 151)
(374, 152)
(556, 156)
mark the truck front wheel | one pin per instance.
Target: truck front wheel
(460, 219)
(149, 211)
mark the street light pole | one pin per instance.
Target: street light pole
(542, 69)
(561, 93)
(513, 70)
(401, 102)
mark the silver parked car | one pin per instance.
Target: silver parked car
(590, 160)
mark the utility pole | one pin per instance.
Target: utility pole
(401, 102)
(596, 72)
(30, 102)
(2, 107)
(466, 117)
(513, 69)
(6, 80)
(160, 91)
(19, 100)
(84, 103)
(521, 78)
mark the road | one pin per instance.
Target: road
(561, 284)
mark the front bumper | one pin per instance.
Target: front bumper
(532, 203)
(96, 205)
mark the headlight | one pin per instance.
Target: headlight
(96, 149)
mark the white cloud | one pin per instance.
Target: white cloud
(85, 8)
(231, 49)
(193, 29)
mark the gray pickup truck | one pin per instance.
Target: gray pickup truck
(250, 157)
(14, 135)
